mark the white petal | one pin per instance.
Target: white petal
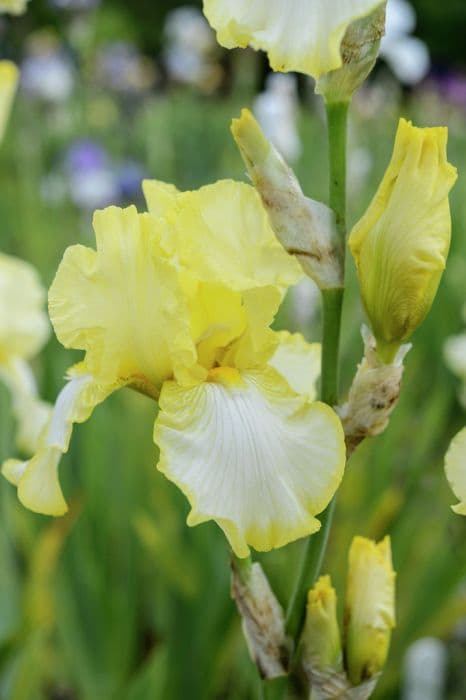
(298, 362)
(251, 455)
(455, 468)
(299, 35)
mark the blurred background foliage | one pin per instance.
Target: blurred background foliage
(119, 600)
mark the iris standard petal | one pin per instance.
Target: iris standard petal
(251, 455)
(299, 362)
(123, 303)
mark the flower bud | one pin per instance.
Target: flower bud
(373, 395)
(263, 619)
(401, 243)
(370, 608)
(321, 643)
(305, 228)
(359, 50)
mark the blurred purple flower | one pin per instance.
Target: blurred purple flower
(92, 179)
(85, 155)
(130, 175)
(452, 87)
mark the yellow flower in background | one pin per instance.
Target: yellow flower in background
(298, 35)
(401, 243)
(13, 7)
(9, 76)
(370, 608)
(24, 329)
(177, 304)
(455, 468)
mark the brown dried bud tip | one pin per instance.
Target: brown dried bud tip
(263, 620)
(373, 395)
(329, 685)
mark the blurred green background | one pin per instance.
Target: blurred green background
(120, 600)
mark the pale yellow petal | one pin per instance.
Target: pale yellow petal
(251, 455)
(222, 234)
(123, 303)
(30, 412)
(161, 197)
(24, 327)
(299, 362)
(401, 243)
(37, 479)
(455, 468)
(9, 76)
(298, 35)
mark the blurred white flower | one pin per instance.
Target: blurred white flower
(305, 303)
(360, 164)
(425, 669)
(276, 110)
(407, 56)
(190, 49)
(455, 358)
(47, 72)
(121, 67)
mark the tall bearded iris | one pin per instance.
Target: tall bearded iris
(177, 303)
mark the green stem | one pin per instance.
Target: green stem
(337, 119)
(315, 547)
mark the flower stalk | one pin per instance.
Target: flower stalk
(315, 546)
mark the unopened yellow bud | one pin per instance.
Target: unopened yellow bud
(401, 243)
(305, 228)
(370, 608)
(321, 643)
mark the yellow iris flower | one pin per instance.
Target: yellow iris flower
(24, 329)
(298, 35)
(401, 243)
(177, 303)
